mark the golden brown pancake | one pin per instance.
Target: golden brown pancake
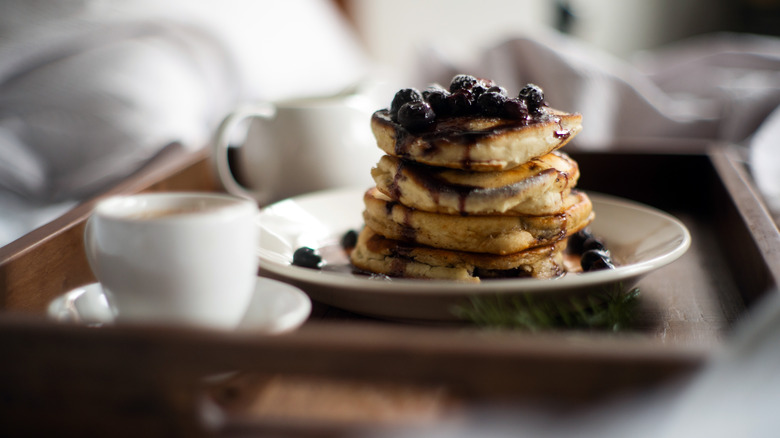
(485, 234)
(537, 187)
(476, 143)
(378, 254)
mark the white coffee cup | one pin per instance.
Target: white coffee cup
(298, 146)
(175, 258)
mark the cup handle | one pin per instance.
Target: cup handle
(89, 250)
(220, 150)
(89, 244)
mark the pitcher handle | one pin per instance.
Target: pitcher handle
(222, 141)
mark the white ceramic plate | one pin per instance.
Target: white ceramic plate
(275, 307)
(640, 238)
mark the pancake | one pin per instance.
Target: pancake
(537, 187)
(476, 142)
(484, 234)
(378, 254)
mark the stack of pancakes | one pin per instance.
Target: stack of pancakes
(473, 197)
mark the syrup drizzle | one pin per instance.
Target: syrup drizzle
(448, 131)
(561, 134)
(429, 177)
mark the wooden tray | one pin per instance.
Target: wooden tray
(130, 380)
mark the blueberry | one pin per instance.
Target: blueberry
(498, 89)
(462, 102)
(462, 82)
(440, 102)
(402, 97)
(306, 257)
(533, 96)
(593, 243)
(478, 89)
(491, 103)
(515, 109)
(583, 241)
(416, 115)
(577, 241)
(349, 239)
(433, 88)
(595, 260)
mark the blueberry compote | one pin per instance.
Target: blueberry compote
(466, 96)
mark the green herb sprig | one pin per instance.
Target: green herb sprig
(613, 310)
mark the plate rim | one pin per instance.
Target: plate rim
(406, 286)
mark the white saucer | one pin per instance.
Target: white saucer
(275, 307)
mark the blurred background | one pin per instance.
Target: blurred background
(92, 89)
(391, 30)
